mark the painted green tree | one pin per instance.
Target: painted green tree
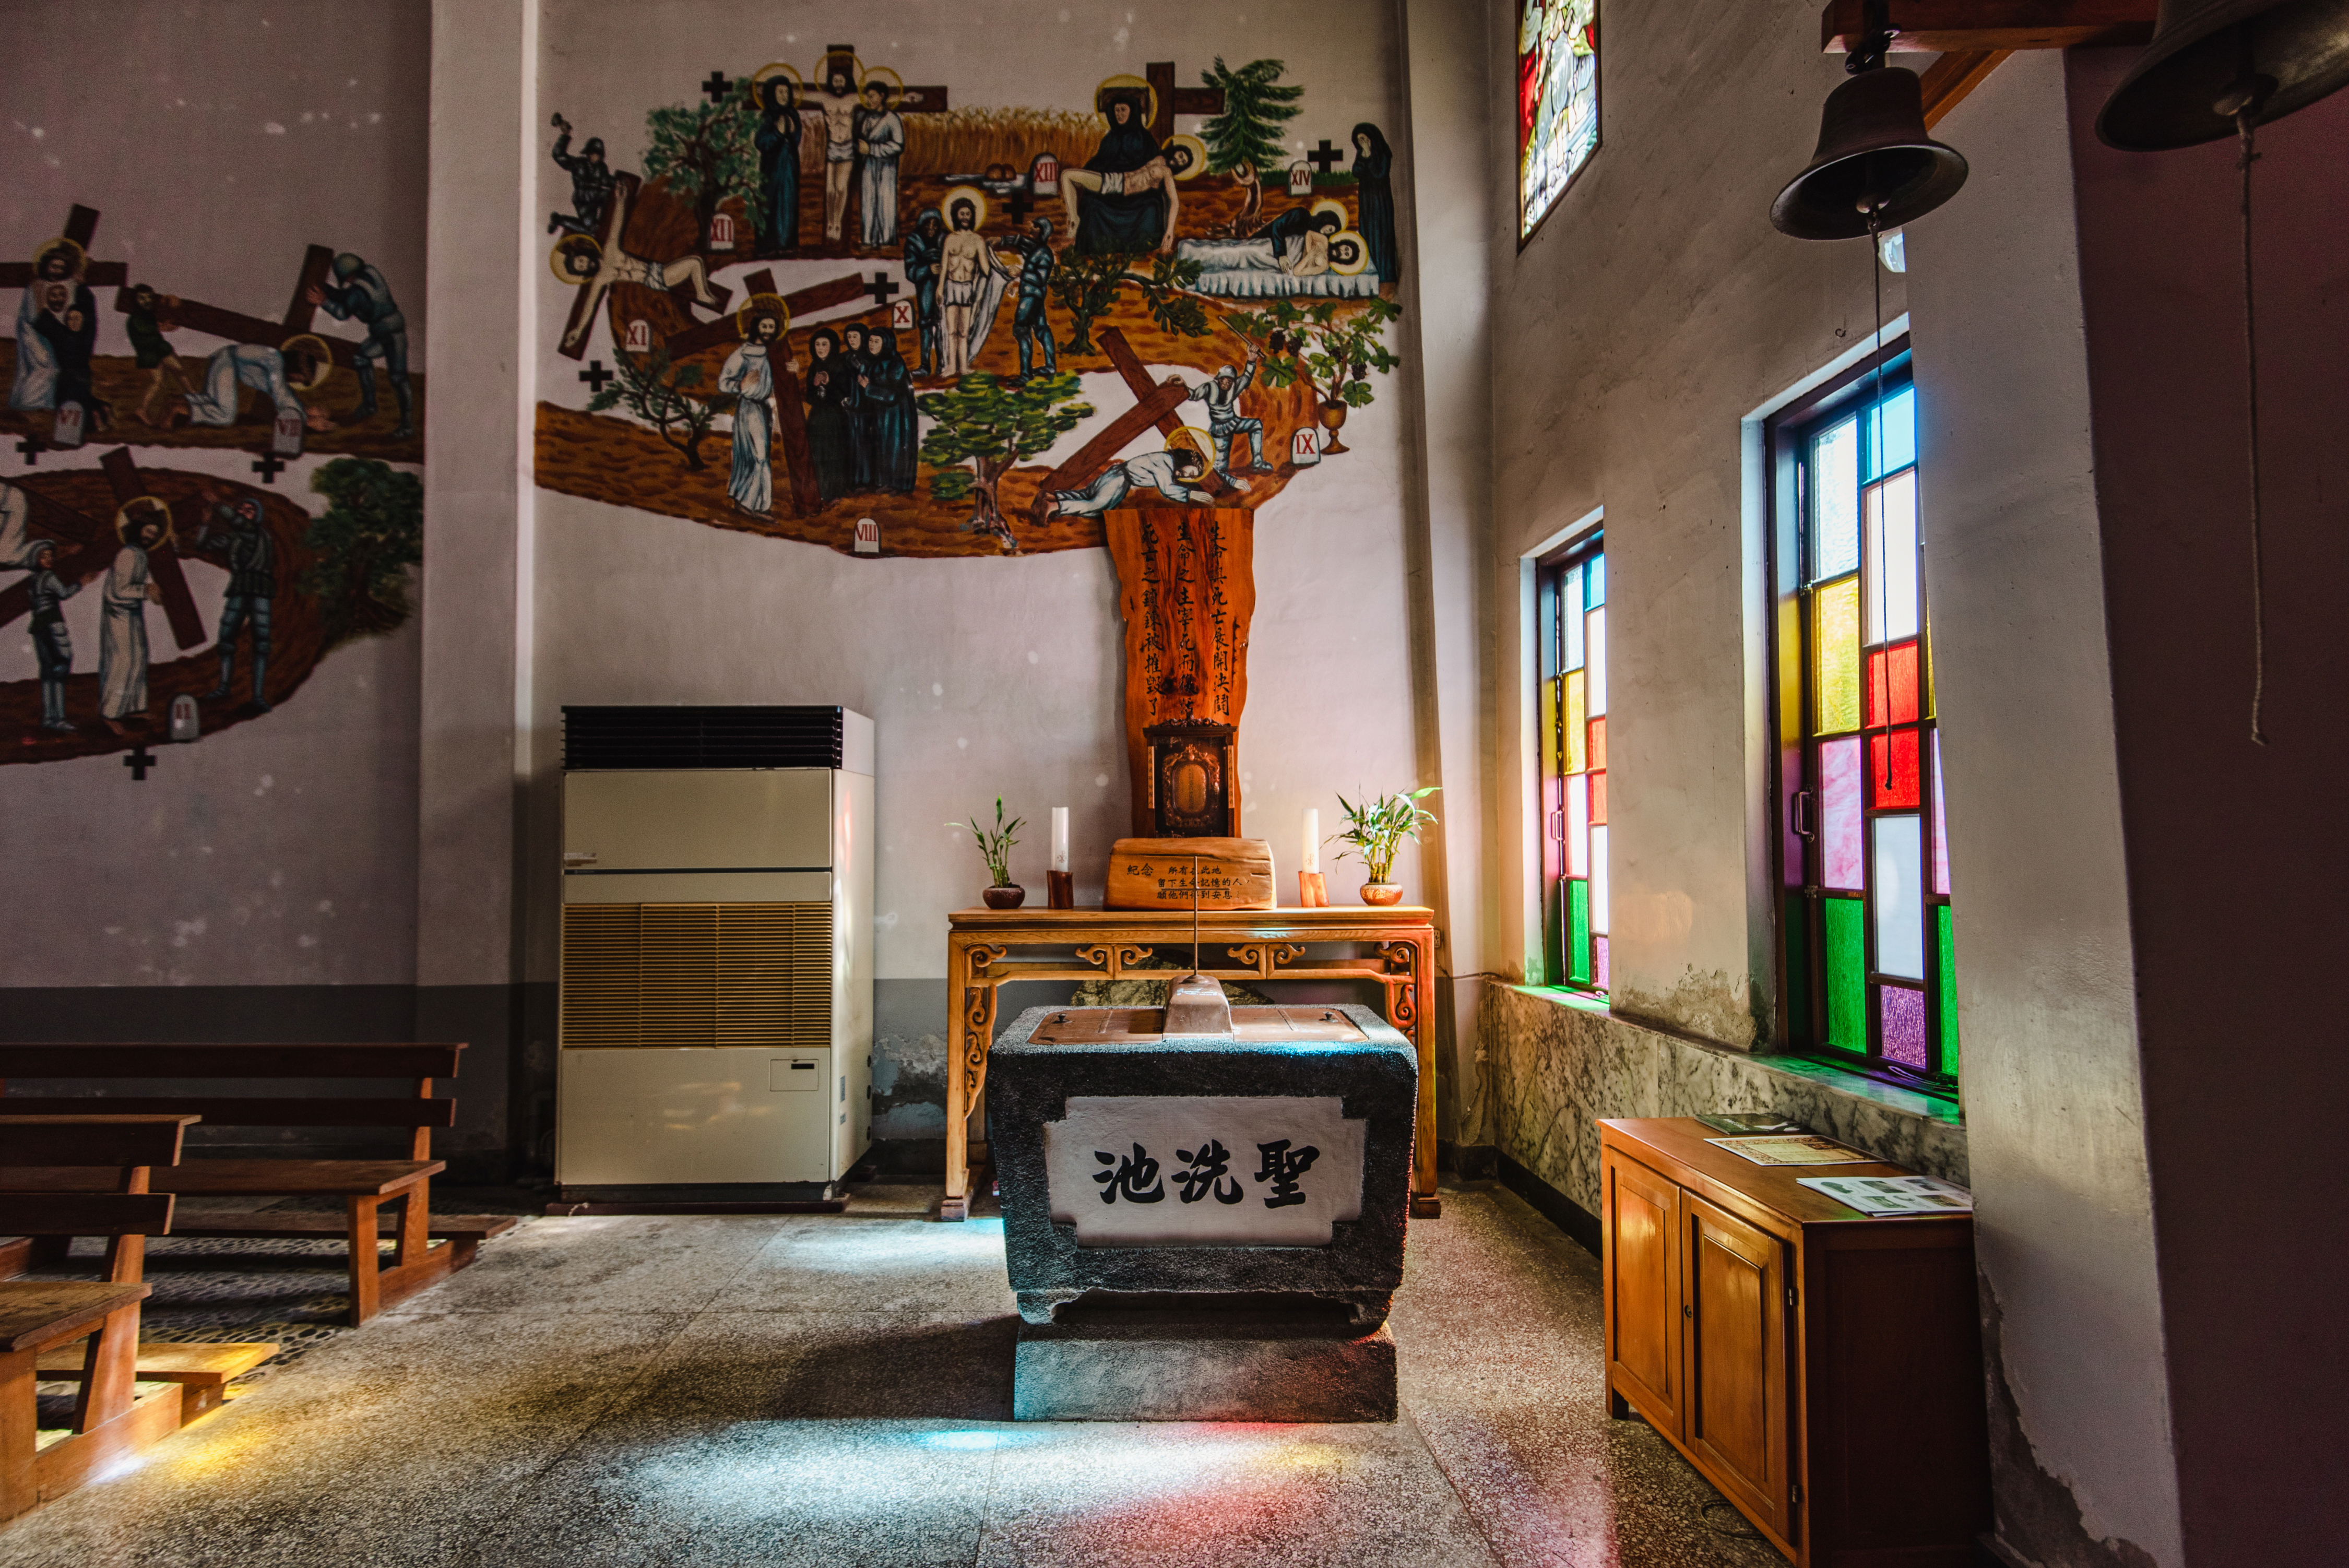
(707, 153)
(990, 424)
(658, 392)
(1256, 108)
(371, 532)
(1087, 286)
(1332, 347)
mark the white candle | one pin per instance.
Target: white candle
(1060, 838)
(1310, 860)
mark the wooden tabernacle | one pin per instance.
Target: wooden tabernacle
(1395, 947)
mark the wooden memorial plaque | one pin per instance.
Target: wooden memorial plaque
(1156, 873)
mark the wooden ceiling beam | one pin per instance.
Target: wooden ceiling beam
(1967, 27)
(1949, 78)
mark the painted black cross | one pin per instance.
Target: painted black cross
(268, 466)
(595, 375)
(1325, 156)
(1020, 203)
(718, 86)
(32, 448)
(882, 286)
(138, 759)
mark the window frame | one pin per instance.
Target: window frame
(1800, 957)
(1550, 571)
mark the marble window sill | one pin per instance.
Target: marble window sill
(1824, 1075)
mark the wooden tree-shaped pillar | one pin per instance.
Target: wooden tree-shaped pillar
(1187, 577)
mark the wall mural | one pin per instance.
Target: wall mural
(834, 307)
(127, 531)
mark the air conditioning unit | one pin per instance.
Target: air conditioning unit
(717, 971)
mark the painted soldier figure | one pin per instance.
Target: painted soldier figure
(1222, 396)
(51, 643)
(252, 585)
(1029, 324)
(360, 294)
(923, 249)
(591, 184)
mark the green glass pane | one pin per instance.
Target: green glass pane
(1949, 988)
(1835, 644)
(1799, 970)
(1553, 938)
(1846, 949)
(1577, 738)
(1578, 932)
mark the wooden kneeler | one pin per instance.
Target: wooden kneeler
(88, 1334)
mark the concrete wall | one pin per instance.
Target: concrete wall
(2234, 849)
(217, 142)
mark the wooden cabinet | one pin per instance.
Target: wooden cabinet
(1822, 1369)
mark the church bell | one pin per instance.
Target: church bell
(1875, 159)
(2211, 58)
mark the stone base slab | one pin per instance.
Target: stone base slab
(1190, 1371)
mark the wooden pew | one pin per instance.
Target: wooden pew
(110, 1420)
(373, 1191)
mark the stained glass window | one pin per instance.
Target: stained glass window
(1572, 667)
(1868, 948)
(1557, 101)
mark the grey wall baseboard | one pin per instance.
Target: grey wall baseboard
(1552, 1204)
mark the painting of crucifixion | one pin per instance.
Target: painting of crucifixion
(830, 305)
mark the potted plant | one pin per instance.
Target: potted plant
(995, 848)
(1375, 830)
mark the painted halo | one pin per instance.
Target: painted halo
(1187, 155)
(1188, 439)
(958, 193)
(124, 520)
(768, 73)
(886, 78)
(49, 247)
(759, 305)
(321, 356)
(1127, 84)
(572, 245)
(1349, 253)
(1331, 204)
(823, 70)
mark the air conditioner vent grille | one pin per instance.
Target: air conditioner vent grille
(742, 736)
(696, 974)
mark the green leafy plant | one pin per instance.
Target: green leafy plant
(1331, 348)
(995, 847)
(371, 532)
(1087, 287)
(1256, 108)
(1376, 829)
(990, 424)
(707, 153)
(649, 386)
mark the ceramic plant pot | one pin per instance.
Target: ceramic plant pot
(1333, 416)
(1005, 897)
(1381, 894)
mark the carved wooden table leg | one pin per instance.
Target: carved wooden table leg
(956, 1205)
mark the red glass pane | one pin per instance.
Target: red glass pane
(1892, 684)
(1597, 799)
(1597, 744)
(1892, 768)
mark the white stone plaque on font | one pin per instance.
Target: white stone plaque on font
(1208, 1171)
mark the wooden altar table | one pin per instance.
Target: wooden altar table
(1393, 946)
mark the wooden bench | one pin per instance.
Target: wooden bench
(380, 1197)
(41, 1322)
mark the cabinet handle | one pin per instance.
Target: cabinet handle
(1688, 1311)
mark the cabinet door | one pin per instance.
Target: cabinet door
(1735, 1369)
(1643, 1290)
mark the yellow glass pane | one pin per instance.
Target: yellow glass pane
(1835, 646)
(1552, 763)
(1577, 755)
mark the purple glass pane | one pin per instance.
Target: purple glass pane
(1598, 963)
(1902, 1014)
(1839, 814)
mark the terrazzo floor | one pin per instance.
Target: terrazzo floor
(835, 1390)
